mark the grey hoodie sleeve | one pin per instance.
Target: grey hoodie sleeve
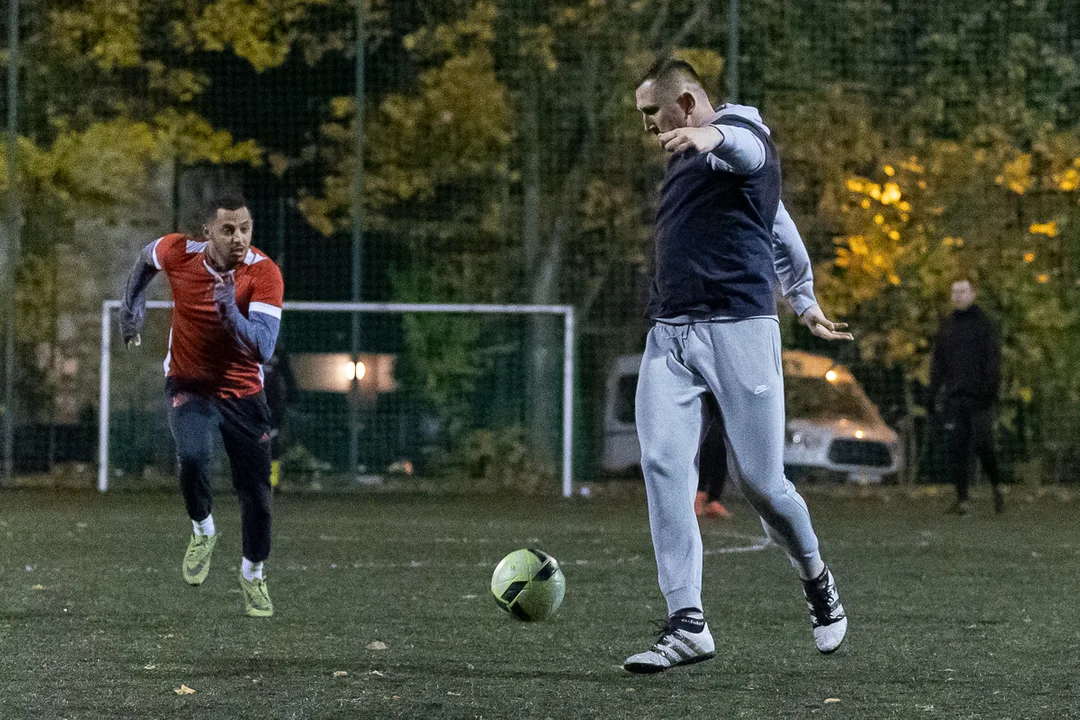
(792, 263)
(257, 333)
(133, 309)
(740, 152)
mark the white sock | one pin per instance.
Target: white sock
(204, 527)
(251, 570)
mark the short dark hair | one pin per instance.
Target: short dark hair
(668, 67)
(221, 199)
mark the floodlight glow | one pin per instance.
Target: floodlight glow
(360, 371)
(831, 376)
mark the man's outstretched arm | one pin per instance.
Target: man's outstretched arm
(796, 276)
(792, 263)
(133, 310)
(730, 148)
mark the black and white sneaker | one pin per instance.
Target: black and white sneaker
(827, 615)
(683, 641)
(999, 500)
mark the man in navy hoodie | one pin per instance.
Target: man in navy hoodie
(722, 240)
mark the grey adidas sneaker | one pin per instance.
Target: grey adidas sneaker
(683, 641)
(827, 616)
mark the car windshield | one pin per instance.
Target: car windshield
(814, 398)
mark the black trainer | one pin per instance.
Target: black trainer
(999, 501)
(960, 507)
(827, 617)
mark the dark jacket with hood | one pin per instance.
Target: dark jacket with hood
(965, 369)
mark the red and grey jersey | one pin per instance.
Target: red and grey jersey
(202, 352)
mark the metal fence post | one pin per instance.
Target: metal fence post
(12, 231)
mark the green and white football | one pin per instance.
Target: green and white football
(528, 584)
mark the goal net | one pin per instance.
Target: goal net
(371, 395)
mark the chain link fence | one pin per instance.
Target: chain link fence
(504, 162)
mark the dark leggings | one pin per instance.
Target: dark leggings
(970, 432)
(712, 460)
(244, 424)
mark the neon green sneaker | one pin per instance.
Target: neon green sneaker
(197, 558)
(256, 598)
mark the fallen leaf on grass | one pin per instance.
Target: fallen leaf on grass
(184, 690)
(377, 645)
(37, 587)
(150, 667)
(832, 700)
(340, 673)
(376, 673)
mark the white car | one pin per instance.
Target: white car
(832, 426)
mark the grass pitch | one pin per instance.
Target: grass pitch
(383, 610)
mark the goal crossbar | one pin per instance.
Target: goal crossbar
(567, 312)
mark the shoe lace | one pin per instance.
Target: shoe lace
(823, 600)
(662, 629)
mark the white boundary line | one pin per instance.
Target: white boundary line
(756, 547)
(567, 311)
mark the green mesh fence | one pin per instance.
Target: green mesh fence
(504, 162)
(433, 399)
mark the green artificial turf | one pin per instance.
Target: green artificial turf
(951, 617)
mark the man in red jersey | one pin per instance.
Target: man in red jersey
(227, 312)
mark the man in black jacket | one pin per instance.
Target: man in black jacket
(965, 372)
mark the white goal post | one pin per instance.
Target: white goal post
(567, 312)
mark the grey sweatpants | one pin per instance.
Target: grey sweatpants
(738, 361)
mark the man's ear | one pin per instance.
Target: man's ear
(686, 103)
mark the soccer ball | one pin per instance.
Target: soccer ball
(528, 584)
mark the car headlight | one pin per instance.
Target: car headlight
(804, 439)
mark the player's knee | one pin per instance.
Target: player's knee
(193, 457)
(656, 462)
(256, 499)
